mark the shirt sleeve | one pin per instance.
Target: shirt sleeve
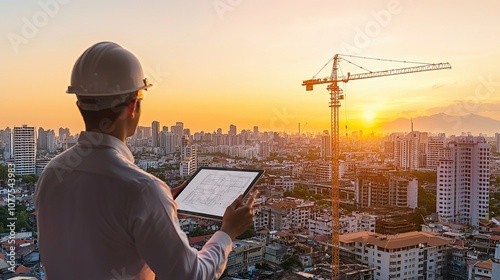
(162, 244)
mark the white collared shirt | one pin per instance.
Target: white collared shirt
(102, 217)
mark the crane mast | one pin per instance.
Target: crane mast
(336, 95)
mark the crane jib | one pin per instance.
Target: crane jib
(349, 77)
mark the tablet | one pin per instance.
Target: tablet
(211, 190)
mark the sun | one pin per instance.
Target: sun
(369, 116)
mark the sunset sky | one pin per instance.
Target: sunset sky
(242, 62)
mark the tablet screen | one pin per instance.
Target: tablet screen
(211, 190)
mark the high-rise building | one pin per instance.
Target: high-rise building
(435, 145)
(63, 134)
(51, 141)
(180, 125)
(378, 189)
(463, 182)
(189, 162)
(497, 142)
(407, 151)
(139, 133)
(232, 129)
(24, 151)
(41, 140)
(178, 131)
(155, 131)
(326, 146)
(7, 140)
(264, 149)
(167, 141)
(256, 132)
(147, 132)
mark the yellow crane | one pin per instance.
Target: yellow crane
(336, 94)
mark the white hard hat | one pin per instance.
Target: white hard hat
(105, 75)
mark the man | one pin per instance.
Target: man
(102, 217)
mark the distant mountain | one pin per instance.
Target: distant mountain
(439, 123)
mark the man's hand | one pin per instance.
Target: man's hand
(238, 216)
(175, 191)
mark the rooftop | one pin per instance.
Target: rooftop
(401, 240)
(488, 264)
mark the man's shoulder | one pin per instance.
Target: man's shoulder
(105, 163)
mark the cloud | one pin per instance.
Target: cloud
(436, 86)
(465, 107)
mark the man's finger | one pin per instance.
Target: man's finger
(251, 201)
(237, 202)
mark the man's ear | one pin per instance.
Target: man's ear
(131, 108)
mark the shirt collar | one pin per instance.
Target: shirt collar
(90, 138)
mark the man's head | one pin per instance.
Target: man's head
(108, 82)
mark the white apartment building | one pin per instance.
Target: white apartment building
(284, 182)
(357, 222)
(189, 163)
(375, 188)
(155, 131)
(24, 149)
(463, 182)
(495, 269)
(497, 141)
(301, 214)
(51, 141)
(284, 215)
(7, 140)
(410, 256)
(320, 225)
(273, 216)
(324, 171)
(435, 145)
(245, 254)
(481, 270)
(168, 142)
(407, 150)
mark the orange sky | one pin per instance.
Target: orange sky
(221, 62)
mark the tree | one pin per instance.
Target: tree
(249, 233)
(426, 201)
(290, 262)
(199, 231)
(424, 177)
(3, 171)
(31, 179)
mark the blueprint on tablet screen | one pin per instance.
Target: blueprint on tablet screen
(211, 191)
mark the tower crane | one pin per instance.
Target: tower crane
(336, 94)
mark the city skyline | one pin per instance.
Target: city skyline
(211, 62)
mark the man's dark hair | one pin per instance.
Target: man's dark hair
(102, 119)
